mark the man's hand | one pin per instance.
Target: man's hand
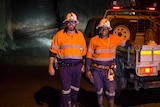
(82, 69)
(89, 75)
(51, 71)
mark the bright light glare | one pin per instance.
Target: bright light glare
(152, 8)
(44, 41)
(148, 70)
(116, 7)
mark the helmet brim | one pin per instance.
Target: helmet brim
(77, 22)
(97, 27)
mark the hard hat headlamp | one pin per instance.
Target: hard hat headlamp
(104, 23)
(71, 17)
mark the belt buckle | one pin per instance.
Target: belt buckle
(100, 66)
(106, 67)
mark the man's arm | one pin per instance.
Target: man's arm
(52, 58)
(51, 69)
(88, 72)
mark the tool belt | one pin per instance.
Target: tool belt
(102, 66)
(110, 72)
(107, 67)
(63, 64)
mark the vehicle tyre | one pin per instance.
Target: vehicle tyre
(123, 28)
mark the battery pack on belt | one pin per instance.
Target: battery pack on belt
(63, 64)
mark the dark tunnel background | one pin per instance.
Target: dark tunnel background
(27, 27)
(31, 24)
(38, 20)
(42, 18)
(34, 15)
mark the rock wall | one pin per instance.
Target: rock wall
(35, 15)
(21, 18)
(3, 44)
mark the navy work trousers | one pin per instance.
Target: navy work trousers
(70, 81)
(102, 83)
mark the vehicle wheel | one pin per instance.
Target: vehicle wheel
(124, 29)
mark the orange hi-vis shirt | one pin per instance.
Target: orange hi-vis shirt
(66, 46)
(104, 49)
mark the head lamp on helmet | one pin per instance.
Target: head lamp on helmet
(71, 17)
(104, 23)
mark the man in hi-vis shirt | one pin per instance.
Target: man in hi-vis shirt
(69, 48)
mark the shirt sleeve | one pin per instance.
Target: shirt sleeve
(120, 41)
(84, 46)
(90, 49)
(89, 55)
(54, 45)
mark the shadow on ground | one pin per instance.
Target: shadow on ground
(51, 97)
(48, 95)
(132, 98)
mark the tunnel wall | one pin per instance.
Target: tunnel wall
(24, 17)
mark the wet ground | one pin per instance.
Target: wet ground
(25, 82)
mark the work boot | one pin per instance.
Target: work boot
(69, 104)
(100, 101)
(111, 103)
(75, 106)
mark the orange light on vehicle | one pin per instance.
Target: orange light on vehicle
(146, 70)
(151, 8)
(116, 7)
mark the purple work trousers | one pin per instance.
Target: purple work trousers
(102, 84)
(70, 81)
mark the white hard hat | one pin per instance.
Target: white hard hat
(71, 17)
(104, 23)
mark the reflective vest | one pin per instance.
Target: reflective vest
(104, 49)
(67, 46)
